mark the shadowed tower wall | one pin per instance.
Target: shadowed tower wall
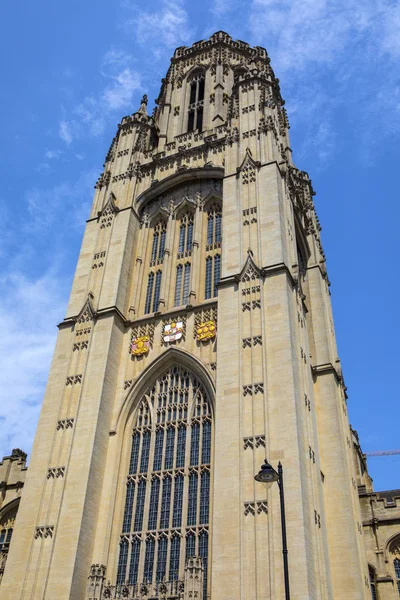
(198, 340)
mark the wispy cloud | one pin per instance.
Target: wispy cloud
(89, 116)
(165, 28)
(312, 42)
(65, 132)
(26, 350)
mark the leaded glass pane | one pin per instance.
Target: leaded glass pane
(178, 501)
(192, 500)
(141, 495)
(189, 239)
(169, 449)
(182, 231)
(162, 559)
(130, 491)
(190, 545)
(194, 446)
(174, 558)
(204, 497)
(153, 508)
(144, 461)
(154, 248)
(149, 561)
(165, 503)
(149, 293)
(161, 249)
(178, 285)
(206, 445)
(210, 229)
(134, 566)
(122, 561)
(158, 450)
(203, 553)
(157, 288)
(186, 284)
(218, 227)
(134, 453)
(217, 273)
(181, 448)
(208, 287)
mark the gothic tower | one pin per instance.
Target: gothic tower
(198, 340)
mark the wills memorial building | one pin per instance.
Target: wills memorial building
(198, 342)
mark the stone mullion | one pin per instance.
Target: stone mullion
(165, 297)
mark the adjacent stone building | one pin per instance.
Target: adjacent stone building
(198, 341)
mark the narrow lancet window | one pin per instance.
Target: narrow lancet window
(196, 101)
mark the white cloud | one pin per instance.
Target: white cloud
(50, 154)
(120, 93)
(165, 28)
(26, 348)
(313, 42)
(65, 132)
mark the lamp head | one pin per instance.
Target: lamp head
(267, 474)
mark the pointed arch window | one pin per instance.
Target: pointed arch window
(158, 246)
(182, 287)
(185, 235)
(213, 276)
(214, 227)
(196, 101)
(153, 292)
(159, 480)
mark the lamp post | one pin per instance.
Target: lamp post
(268, 476)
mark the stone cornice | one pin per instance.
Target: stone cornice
(220, 38)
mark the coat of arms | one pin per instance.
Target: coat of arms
(206, 331)
(140, 345)
(173, 331)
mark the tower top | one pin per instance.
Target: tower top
(221, 39)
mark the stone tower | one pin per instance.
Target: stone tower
(198, 340)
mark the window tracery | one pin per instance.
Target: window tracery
(170, 460)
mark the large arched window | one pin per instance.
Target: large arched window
(196, 101)
(166, 514)
(6, 530)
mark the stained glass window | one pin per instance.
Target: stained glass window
(149, 293)
(141, 495)
(130, 491)
(165, 502)
(174, 558)
(192, 500)
(158, 450)
(190, 545)
(122, 562)
(134, 566)
(203, 553)
(157, 456)
(134, 453)
(162, 558)
(194, 447)
(149, 560)
(153, 508)
(178, 502)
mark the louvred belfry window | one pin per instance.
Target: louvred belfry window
(213, 250)
(170, 461)
(196, 101)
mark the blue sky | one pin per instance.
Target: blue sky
(71, 71)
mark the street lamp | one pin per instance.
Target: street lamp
(268, 476)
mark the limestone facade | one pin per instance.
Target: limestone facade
(198, 340)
